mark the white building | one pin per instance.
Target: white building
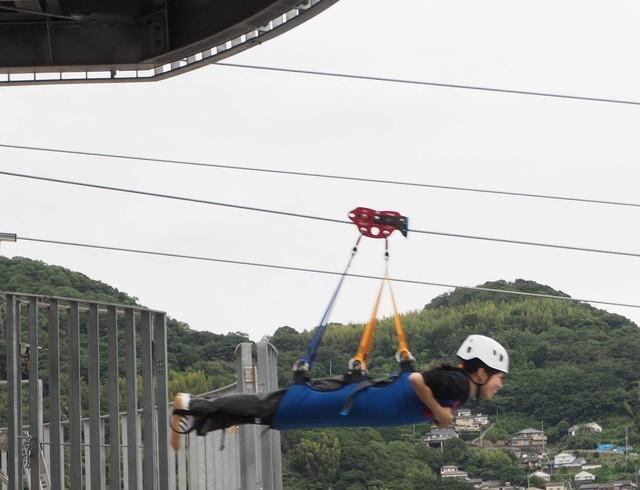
(438, 435)
(584, 476)
(555, 486)
(528, 438)
(541, 475)
(568, 460)
(451, 471)
(592, 427)
(465, 421)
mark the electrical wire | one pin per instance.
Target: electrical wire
(170, 196)
(431, 84)
(320, 176)
(318, 271)
(312, 217)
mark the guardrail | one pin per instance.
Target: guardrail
(84, 450)
(91, 442)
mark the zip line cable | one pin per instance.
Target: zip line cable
(431, 84)
(316, 271)
(319, 175)
(169, 196)
(312, 217)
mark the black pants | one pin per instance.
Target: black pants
(234, 409)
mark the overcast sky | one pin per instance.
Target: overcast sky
(349, 127)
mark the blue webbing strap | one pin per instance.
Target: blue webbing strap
(304, 363)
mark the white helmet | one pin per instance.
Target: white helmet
(487, 350)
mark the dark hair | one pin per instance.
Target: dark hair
(470, 366)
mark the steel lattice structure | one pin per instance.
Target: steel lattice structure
(80, 41)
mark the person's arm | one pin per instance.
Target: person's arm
(442, 415)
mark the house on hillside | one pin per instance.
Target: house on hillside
(451, 471)
(624, 485)
(435, 437)
(532, 460)
(465, 421)
(546, 477)
(568, 460)
(591, 427)
(616, 485)
(584, 476)
(496, 485)
(529, 439)
(555, 486)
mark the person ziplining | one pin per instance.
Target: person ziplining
(354, 399)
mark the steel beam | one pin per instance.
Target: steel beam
(35, 404)
(55, 429)
(75, 407)
(95, 450)
(132, 399)
(114, 398)
(14, 470)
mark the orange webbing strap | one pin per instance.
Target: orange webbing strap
(359, 361)
(403, 353)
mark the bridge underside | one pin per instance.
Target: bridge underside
(57, 36)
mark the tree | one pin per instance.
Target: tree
(317, 456)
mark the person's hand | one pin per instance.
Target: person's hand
(444, 417)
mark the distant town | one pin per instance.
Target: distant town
(554, 470)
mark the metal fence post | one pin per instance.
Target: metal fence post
(251, 470)
(162, 393)
(55, 428)
(14, 471)
(75, 408)
(270, 440)
(35, 405)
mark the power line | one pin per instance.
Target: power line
(321, 176)
(316, 271)
(170, 196)
(431, 84)
(312, 217)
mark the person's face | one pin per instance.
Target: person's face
(492, 385)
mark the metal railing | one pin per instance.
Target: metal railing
(83, 343)
(92, 440)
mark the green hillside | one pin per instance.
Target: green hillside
(198, 361)
(571, 363)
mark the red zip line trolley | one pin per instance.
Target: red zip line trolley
(377, 225)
